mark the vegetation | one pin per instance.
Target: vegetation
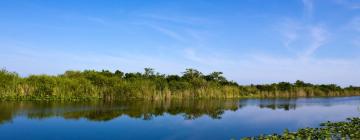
(349, 129)
(107, 85)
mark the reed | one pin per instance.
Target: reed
(106, 85)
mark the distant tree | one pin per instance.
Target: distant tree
(191, 74)
(119, 73)
(284, 86)
(149, 72)
(106, 73)
(136, 75)
(215, 76)
(173, 78)
(299, 83)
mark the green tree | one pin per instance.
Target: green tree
(119, 73)
(191, 74)
(215, 76)
(149, 72)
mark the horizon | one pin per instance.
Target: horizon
(250, 41)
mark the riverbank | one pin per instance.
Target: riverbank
(149, 85)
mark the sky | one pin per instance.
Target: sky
(251, 41)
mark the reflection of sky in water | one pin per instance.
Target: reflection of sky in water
(246, 121)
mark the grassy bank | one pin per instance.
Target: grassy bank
(106, 85)
(347, 130)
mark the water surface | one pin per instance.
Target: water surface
(170, 119)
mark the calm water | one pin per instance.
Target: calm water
(190, 119)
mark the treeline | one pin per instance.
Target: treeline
(107, 85)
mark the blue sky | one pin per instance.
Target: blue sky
(251, 41)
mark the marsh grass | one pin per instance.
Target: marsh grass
(106, 85)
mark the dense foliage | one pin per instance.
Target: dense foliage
(330, 130)
(107, 85)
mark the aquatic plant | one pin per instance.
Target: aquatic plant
(349, 129)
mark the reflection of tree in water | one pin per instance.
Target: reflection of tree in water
(278, 104)
(146, 110)
(7, 112)
(104, 111)
(274, 104)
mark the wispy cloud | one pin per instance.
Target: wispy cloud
(184, 29)
(170, 33)
(290, 32)
(307, 38)
(42, 60)
(308, 7)
(210, 59)
(355, 24)
(312, 36)
(319, 36)
(96, 20)
(349, 3)
(187, 20)
(190, 38)
(356, 42)
(263, 68)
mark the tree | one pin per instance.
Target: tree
(284, 86)
(172, 78)
(299, 83)
(119, 73)
(106, 73)
(191, 74)
(149, 72)
(215, 76)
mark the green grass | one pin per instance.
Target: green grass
(106, 85)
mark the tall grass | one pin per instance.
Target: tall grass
(106, 85)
